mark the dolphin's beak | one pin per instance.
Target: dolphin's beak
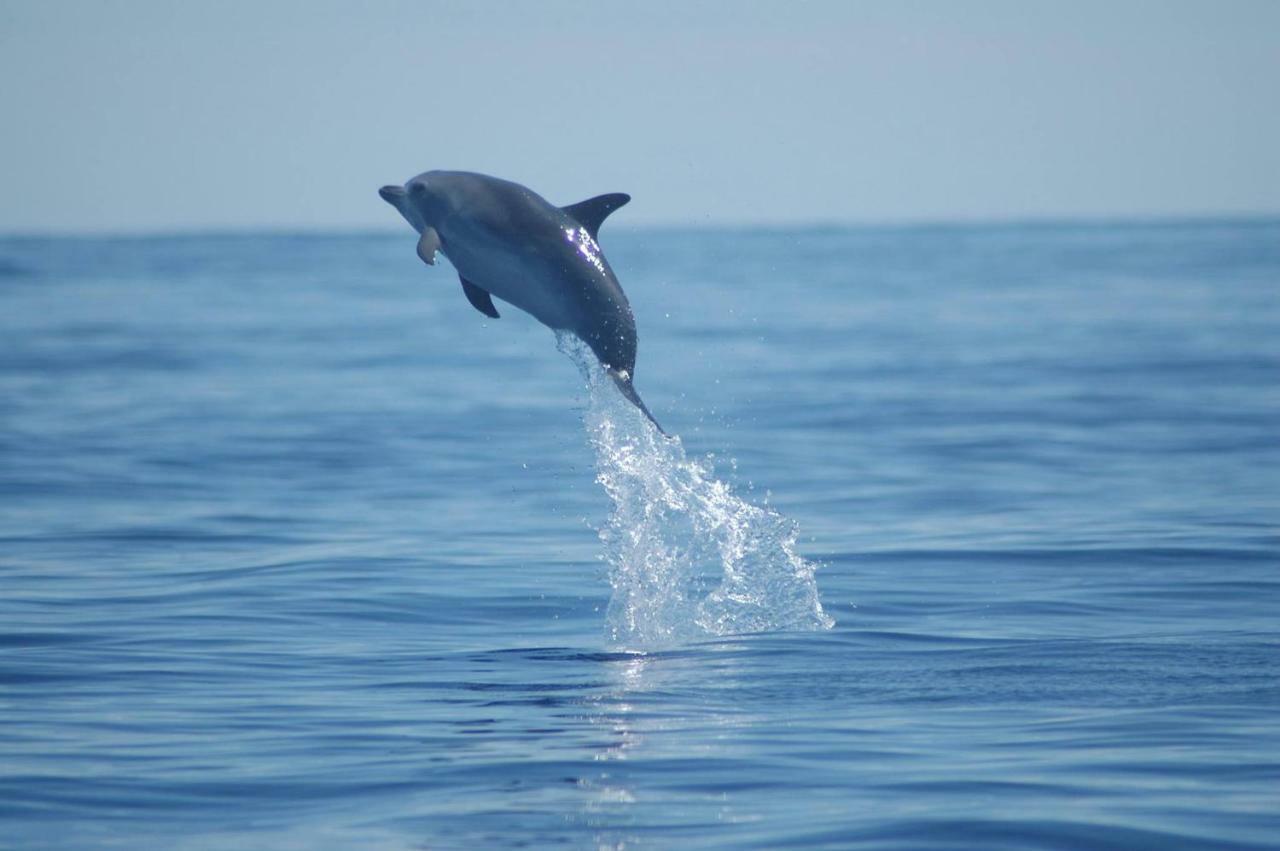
(391, 193)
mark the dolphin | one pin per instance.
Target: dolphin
(507, 241)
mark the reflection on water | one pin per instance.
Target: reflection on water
(651, 741)
(610, 795)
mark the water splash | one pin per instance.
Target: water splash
(687, 557)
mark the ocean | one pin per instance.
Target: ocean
(969, 539)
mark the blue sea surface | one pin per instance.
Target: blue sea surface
(299, 551)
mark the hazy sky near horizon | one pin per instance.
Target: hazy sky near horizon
(124, 115)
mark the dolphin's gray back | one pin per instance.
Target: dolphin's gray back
(525, 231)
(500, 205)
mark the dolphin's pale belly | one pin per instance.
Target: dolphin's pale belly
(518, 277)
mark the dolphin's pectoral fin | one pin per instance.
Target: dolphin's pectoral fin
(592, 212)
(428, 245)
(480, 299)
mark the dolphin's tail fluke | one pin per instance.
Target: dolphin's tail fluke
(623, 381)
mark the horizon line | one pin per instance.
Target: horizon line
(923, 223)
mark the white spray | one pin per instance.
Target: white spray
(687, 557)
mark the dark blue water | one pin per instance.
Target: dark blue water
(300, 551)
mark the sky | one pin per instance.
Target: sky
(125, 116)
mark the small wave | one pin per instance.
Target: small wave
(687, 557)
(13, 269)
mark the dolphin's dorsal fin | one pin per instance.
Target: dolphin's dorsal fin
(480, 299)
(428, 245)
(592, 212)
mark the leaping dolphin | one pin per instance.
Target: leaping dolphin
(506, 240)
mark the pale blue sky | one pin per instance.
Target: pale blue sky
(158, 116)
